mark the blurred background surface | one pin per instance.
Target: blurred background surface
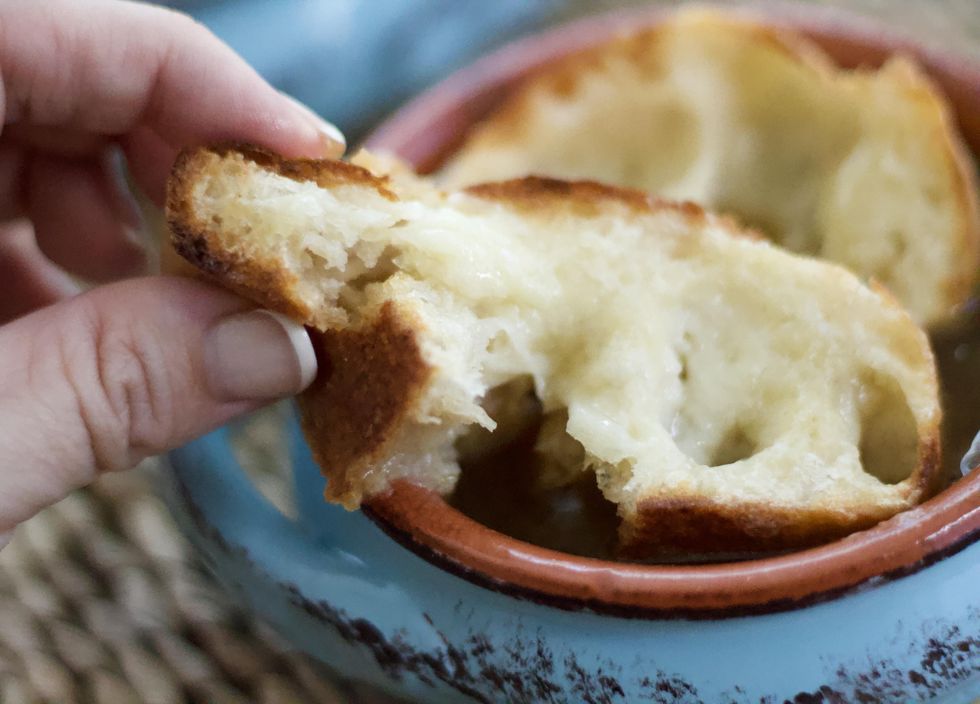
(354, 61)
(100, 599)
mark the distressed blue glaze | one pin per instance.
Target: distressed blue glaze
(321, 578)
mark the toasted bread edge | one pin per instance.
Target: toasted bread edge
(665, 527)
(368, 378)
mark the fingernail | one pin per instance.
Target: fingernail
(331, 139)
(256, 356)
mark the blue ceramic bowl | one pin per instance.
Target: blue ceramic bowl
(452, 612)
(339, 588)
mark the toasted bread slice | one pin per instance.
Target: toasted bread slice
(864, 168)
(728, 395)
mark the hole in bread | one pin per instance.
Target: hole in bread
(365, 266)
(526, 480)
(889, 439)
(900, 245)
(705, 427)
(735, 445)
(560, 458)
(371, 268)
(684, 371)
(514, 407)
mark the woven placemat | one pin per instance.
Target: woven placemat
(102, 601)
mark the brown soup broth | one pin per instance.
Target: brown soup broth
(957, 350)
(500, 491)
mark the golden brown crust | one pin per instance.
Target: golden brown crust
(927, 478)
(261, 280)
(541, 195)
(963, 174)
(325, 173)
(964, 170)
(530, 193)
(671, 526)
(369, 380)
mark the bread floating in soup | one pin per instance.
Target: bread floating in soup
(861, 167)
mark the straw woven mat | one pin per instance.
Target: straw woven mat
(103, 602)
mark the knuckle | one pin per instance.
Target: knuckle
(123, 392)
(137, 388)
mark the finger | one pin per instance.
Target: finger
(63, 141)
(29, 280)
(129, 370)
(107, 67)
(81, 221)
(11, 182)
(149, 159)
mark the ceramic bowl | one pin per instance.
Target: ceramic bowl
(425, 603)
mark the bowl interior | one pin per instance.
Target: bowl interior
(430, 128)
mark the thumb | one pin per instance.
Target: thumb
(101, 381)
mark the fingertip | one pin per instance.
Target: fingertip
(30, 280)
(149, 159)
(334, 140)
(131, 258)
(302, 346)
(257, 355)
(324, 139)
(82, 220)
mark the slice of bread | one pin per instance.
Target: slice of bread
(864, 168)
(727, 395)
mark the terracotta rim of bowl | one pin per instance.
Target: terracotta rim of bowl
(425, 132)
(422, 521)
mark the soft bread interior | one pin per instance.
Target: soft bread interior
(863, 168)
(674, 355)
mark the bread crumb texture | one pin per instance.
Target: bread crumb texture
(724, 392)
(860, 167)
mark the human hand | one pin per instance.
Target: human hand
(98, 381)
